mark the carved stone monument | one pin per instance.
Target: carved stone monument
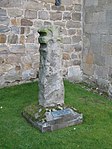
(51, 113)
(51, 88)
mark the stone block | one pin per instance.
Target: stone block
(15, 29)
(71, 31)
(28, 74)
(76, 39)
(55, 16)
(66, 56)
(2, 12)
(38, 24)
(17, 49)
(74, 56)
(60, 23)
(76, 16)
(12, 39)
(75, 73)
(4, 29)
(69, 8)
(22, 39)
(30, 14)
(47, 6)
(77, 7)
(77, 62)
(66, 40)
(30, 38)
(59, 8)
(4, 20)
(26, 22)
(3, 50)
(46, 23)
(10, 3)
(15, 22)
(66, 2)
(2, 38)
(66, 16)
(33, 5)
(72, 24)
(15, 12)
(43, 15)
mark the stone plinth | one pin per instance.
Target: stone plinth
(51, 88)
(52, 119)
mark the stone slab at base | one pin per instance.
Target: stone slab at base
(56, 120)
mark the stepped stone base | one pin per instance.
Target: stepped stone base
(56, 120)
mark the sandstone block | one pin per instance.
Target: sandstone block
(66, 56)
(2, 38)
(26, 22)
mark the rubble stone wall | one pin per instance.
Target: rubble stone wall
(97, 41)
(19, 47)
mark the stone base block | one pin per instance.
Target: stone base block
(56, 119)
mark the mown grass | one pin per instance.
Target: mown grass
(16, 133)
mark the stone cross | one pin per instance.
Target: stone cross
(51, 88)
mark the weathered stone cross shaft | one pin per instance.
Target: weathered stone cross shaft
(51, 88)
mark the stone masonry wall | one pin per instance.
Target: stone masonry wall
(19, 47)
(97, 52)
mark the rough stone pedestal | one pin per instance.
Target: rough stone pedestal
(51, 114)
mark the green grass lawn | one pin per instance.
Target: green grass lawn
(16, 133)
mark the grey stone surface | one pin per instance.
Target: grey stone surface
(12, 39)
(43, 15)
(30, 14)
(51, 89)
(4, 29)
(56, 120)
(15, 12)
